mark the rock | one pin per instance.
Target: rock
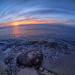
(9, 59)
(32, 58)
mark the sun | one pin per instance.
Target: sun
(20, 23)
(15, 23)
(25, 22)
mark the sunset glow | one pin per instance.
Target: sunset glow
(25, 22)
(36, 21)
(21, 12)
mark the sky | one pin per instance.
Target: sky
(59, 11)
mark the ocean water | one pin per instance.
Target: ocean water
(44, 31)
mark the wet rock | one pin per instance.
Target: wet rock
(32, 58)
(9, 59)
(3, 47)
(53, 44)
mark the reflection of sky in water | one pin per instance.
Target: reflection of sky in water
(37, 31)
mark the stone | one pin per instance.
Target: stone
(32, 58)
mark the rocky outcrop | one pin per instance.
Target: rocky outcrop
(32, 58)
(17, 55)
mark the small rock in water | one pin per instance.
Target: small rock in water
(32, 58)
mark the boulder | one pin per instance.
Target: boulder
(32, 58)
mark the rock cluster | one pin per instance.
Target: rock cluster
(32, 58)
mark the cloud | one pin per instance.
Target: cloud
(11, 10)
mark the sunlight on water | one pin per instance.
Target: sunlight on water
(16, 31)
(38, 31)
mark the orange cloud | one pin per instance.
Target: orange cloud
(31, 21)
(23, 22)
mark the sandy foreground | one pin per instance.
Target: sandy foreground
(30, 71)
(27, 71)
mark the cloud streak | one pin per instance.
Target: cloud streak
(12, 10)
